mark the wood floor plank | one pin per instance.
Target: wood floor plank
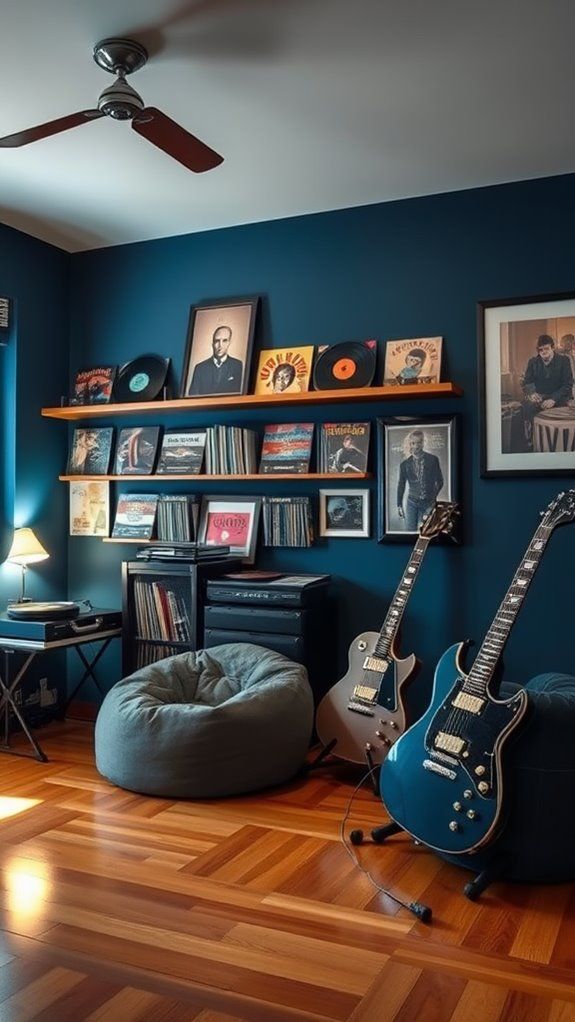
(115, 907)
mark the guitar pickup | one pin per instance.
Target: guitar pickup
(364, 694)
(465, 701)
(449, 743)
(373, 663)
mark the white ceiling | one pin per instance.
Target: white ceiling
(315, 105)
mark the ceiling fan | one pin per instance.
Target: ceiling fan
(121, 57)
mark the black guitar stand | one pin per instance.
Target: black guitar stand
(328, 749)
(493, 871)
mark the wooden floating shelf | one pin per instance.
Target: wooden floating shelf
(247, 401)
(264, 477)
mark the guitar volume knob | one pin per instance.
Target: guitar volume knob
(453, 825)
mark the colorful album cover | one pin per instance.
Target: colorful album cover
(182, 452)
(412, 361)
(91, 451)
(284, 370)
(286, 448)
(344, 447)
(89, 508)
(93, 386)
(135, 516)
(136, 450)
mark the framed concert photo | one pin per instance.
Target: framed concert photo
(219, 347)
(344, 513)
(231, 521)
(417, 466)
(526, 385)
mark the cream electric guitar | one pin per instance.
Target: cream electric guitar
(364, 713)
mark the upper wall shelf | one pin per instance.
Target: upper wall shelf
(237, 402)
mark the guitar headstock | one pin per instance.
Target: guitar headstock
(561, 510)
(441, 519)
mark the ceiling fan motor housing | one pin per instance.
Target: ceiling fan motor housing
(120, 101)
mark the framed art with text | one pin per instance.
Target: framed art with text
(232, 521)
(417, 465)
(219, 347)
(526, 380)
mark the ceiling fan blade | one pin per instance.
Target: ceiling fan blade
(49, 128)
(164, 133)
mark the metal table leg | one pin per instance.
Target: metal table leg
(88, 672)
(7, 702)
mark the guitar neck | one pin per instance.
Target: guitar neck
(494, 642)
(396, 609)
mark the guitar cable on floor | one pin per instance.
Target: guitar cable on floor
(418, 909)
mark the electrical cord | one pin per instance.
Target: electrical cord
(418, 909)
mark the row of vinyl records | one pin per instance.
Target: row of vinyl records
(160, 612)
(180, 518)
(221, 450)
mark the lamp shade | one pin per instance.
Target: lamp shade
(26, 548)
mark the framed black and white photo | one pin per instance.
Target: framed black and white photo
(219, 347)
(526, 377)
(417, 465)
(344, 513)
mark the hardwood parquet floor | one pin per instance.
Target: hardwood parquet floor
(121, 908)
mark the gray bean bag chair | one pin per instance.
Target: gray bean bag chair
(216, 722)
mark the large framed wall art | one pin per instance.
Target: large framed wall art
(526, 381)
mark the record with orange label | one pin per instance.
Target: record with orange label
(345, 366)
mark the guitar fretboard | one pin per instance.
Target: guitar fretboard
(494, 642)
(398, 604)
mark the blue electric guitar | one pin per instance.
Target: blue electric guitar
(442, 781)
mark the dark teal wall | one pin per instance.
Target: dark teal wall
(407, 269)
(33, 371)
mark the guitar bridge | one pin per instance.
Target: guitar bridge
(449, 743)
(465, 701)
(373, 663)
(361, 708)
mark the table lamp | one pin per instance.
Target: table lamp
(26, 549)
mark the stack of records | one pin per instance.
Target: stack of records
(164, 551)
(287, 521)
(230, 450)
(177, 517)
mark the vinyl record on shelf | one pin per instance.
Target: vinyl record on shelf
(345, 366)
(142, 379)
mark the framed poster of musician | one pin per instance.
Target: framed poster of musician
(219, 348)
(526, 385)
(417, 466)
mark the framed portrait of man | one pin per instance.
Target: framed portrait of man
(527, 385)
(218, 348)
(417, 466)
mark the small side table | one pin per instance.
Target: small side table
(8, 686)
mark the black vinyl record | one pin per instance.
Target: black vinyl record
(142, 379)
(345, 366)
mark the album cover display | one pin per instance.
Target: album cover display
(344, 447)
(136, 450)
(89, 508)
(345, 366)
(91, 451)
(93, 386)
(142, 379)
(286, 447)
(135, 516)
(182, 452)
(284, 370)
(412, 361)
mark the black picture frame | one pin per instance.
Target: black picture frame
(515, 439)
(200, 377)
(441, 440)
